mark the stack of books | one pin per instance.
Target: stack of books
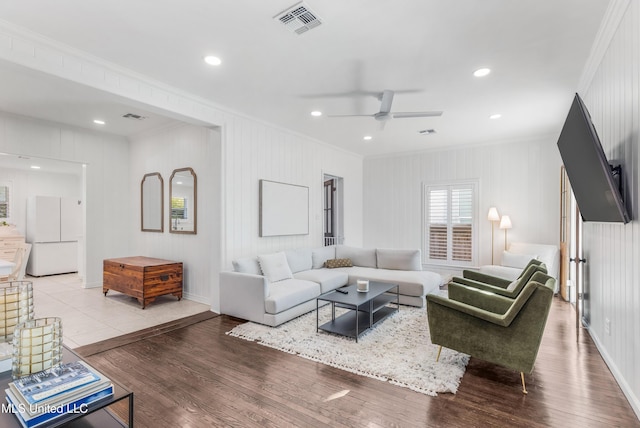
(42, 398)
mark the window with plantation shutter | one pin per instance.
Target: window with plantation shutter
(449, 223)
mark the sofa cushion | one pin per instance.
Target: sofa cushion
(288, 293)
(336, 263)
(548, 254)
(321, 255)
(329, 279)
(275, 266)
(412, 283)
(515, 260)
(501, 271)
(299, 259)
(399, 259)
(247, 265)
(364, 257)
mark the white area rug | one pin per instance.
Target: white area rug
(397, 350)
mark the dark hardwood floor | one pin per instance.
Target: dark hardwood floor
(196, 376)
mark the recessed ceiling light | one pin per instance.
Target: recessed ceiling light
(98, 122)
(35, 167)
(212, 60)
(495, 116)
(481, 72)
(316, 113)
(367, 137)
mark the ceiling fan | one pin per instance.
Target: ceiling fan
(385, 113)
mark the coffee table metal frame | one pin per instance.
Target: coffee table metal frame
(366, 309)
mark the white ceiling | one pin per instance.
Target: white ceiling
(536, 49)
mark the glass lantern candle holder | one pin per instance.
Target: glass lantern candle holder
(16, 306)
(37, 346)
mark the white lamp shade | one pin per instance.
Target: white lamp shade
(505, 222)
(493, 214)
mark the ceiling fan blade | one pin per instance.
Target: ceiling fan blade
(381, 125)
(402, 115)
(349, 115)
(386, 100)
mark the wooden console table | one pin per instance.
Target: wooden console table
(144, 278)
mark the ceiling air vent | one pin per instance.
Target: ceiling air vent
(133, 116)
(299, 18)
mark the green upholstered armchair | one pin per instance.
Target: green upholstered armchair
(498, 285)
(497, 281)
(494, 328)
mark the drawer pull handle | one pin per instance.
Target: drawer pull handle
(164, 277)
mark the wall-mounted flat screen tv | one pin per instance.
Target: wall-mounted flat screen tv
(596, 184)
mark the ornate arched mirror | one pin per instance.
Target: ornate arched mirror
(151, 203)
(183, 206)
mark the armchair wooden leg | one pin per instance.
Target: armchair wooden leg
(439, 350)
(524, 386)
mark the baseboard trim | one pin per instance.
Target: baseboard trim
(622, 383)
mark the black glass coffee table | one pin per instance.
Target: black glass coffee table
(365, 309)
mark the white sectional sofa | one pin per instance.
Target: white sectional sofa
(518, 256)
(274, 288)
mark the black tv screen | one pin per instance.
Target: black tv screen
(596, 184)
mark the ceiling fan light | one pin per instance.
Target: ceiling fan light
(495, 116)
(316, 113)
(367, 137)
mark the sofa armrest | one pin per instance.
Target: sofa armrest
(243, 295)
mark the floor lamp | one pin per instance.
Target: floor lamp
(505, 223)
(493, 217)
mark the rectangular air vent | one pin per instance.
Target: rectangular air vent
(133, 116)
(299, 18)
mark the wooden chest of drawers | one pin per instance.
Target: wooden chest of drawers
(9, 245)
(144, 278)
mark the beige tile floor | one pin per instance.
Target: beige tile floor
(88, 316)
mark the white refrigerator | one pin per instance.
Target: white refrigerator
(54, 226)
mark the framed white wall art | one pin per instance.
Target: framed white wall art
(284, 209)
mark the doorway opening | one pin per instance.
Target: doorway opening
(572, 260)
(332, 210)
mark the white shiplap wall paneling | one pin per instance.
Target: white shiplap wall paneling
(612, 95)
(393, 198)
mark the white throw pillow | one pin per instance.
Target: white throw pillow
(516, 260)
(247, 265)
(275, 267)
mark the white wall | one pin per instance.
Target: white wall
(107, 179)
(25, 184)
(162, 151)
(253, 151)
(611, 93)
(521, 179)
